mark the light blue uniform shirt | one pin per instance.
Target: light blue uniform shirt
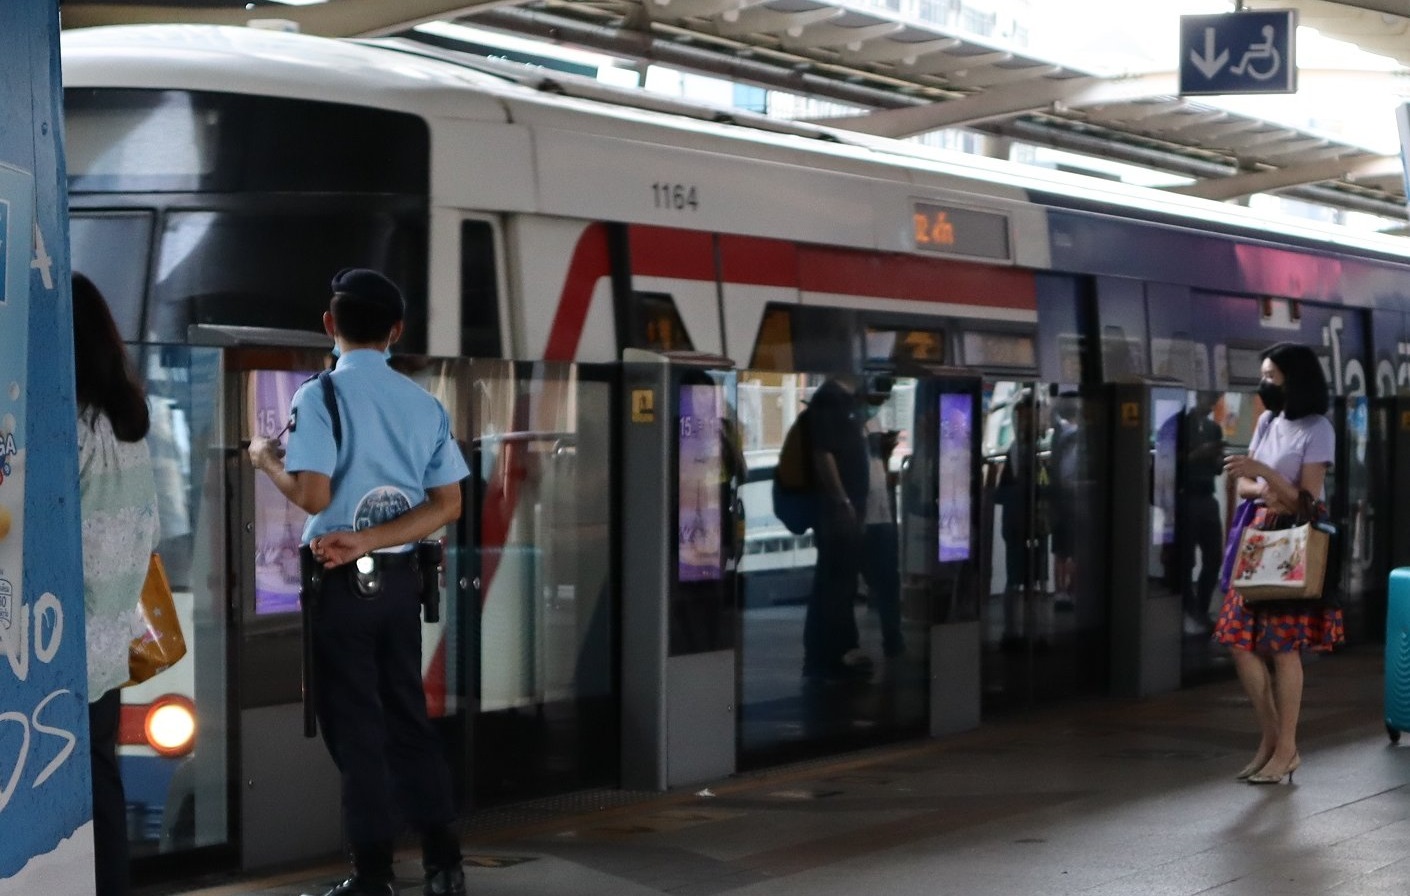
(396, 444)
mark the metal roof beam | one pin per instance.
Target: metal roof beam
(346, 18)
(1002, 102)
(1225, 188)
(695, 9)
(941, 63)
(996, 75)
(827, 34)
(898, 50)
(762, 20)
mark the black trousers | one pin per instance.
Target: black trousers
(372, 709)
(1205, 532)
(109, 803)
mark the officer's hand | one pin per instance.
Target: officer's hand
(266, 454)
(337, 548)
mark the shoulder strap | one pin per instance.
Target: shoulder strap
(330, 401)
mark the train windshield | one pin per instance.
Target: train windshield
(192, 207)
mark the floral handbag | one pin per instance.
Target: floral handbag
(1285, 558)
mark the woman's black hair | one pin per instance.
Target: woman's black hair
(1304, 384)
(102, 373)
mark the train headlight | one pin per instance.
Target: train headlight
(170, 726)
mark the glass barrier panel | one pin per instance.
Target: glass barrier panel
(1041, 538)
(832, 651)
(177, 792)
(541, 445)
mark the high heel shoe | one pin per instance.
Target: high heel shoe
(1266, 777)
(1253, 767)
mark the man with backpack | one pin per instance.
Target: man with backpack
(854, 525)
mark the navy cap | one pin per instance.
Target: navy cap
(371, 288)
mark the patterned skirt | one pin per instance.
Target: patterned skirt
(1266, 632)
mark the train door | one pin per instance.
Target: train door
(532, 653)
(1045, 481)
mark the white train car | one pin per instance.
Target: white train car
(218, 176)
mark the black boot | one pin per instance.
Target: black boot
(372, 871)
(357, 885)
(445, 881)
(440, 856)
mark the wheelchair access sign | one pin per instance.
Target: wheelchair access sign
(1240, 52)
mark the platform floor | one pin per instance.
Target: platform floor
(1108, 798)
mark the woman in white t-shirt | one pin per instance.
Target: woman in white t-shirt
(1293, 447)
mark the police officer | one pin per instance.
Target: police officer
(391, 477)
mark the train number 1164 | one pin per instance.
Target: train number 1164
(675, 196)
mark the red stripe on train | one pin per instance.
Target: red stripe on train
(590, 263)
(761, 261)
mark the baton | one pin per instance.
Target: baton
(310, 583)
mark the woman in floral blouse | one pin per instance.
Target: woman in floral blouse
(118, 506)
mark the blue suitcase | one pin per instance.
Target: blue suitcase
(1398, 654)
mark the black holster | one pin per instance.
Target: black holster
(311, 574)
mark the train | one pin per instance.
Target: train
(217, 176)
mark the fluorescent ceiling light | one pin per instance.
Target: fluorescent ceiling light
(298, 2)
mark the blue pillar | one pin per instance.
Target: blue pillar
(46, 841)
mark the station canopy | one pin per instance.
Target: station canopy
(908, 77)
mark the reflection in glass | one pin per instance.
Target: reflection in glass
(539, 643)
(1042, 537)
(180, 803)
(876, 689)
(278, 522)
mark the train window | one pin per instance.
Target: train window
(900, 345)
(143, 139)
(656, 324)
(773, 350)
(272, 270)
(804, 337)
(112, 249)
(1012, 351)
(168, 140)
(1245, 365)
(479, 292)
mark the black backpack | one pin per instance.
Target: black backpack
(795, 498)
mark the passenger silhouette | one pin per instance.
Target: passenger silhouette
(1204, 525)
(1023, 494)
(854, 530)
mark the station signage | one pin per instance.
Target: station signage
(954, 230)
(1240, 52)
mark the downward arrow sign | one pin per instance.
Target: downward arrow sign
(1209, 64)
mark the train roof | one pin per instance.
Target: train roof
(405, 76)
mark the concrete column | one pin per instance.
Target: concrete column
(45, 807)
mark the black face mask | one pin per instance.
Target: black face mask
(1272, 394)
